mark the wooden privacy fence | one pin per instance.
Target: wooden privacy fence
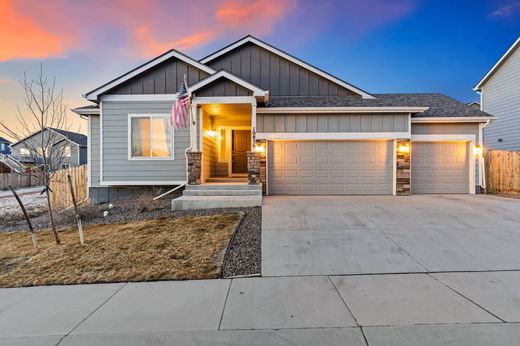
(503, 171)
(61, 197)
(19, 180)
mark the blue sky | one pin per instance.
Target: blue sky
(379, 45)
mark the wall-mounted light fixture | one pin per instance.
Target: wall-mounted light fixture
(477, 150)
(211, 133)
(260, 148)
(403, 148)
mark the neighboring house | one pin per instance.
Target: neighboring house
(5, 146)
(500, 95)
(72, 147)
(319, 135)
(474, 105)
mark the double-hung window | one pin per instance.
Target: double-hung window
(150, 137)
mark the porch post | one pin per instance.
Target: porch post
(253, 127)
(193, 127)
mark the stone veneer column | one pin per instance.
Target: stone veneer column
(194, 167)
(403, 171)
(253, 167)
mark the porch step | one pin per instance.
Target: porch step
(223, 192)
(226, 180)
(211, 202)
(223, 186)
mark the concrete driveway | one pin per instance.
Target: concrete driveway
(386, 234)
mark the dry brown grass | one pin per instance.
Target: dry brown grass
(190, 247)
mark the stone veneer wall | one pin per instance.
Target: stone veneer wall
(253, 167)
(194, 167)
(403, 171)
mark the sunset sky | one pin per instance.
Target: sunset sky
(378, 45)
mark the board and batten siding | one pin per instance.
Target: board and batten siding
(117, 167)
(271, 72)
(304, 123)
(223, 87)
(164, 78)
(501, 98)
(450, 129)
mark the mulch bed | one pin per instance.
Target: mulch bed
(243, 256)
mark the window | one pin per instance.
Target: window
(2, 146)
(24, 151)
(66, 151)
(151, 137)
(65, 165)
(222, 145)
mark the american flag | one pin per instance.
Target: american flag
(179, 116)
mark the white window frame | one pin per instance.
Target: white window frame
(149, 158)
(25, 151)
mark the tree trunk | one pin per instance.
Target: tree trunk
(76, 211)
(51, 215)
(33, 234)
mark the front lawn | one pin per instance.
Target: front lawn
(189, 247)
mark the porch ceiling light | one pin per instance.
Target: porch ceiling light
(403, 148)
(211, 133)
(477, 150)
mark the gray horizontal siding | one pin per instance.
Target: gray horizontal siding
(278, 75)
(94, 151)
(117, 166)
(501, 97)
(164, 78)
(299, 123)
(223, 87)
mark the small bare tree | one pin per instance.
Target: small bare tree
(39, 120)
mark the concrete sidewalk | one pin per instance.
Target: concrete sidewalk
(401, 309)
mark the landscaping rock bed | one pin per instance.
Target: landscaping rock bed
(243, 257)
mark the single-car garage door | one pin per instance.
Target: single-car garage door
(330, 167)
(440, 167)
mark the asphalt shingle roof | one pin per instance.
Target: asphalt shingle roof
(439, 105)
(75, 137)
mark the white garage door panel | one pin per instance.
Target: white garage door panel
(440, 167)
(330, 167)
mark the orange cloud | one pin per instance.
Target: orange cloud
(23, 38)
(150, 47)
(235, 13)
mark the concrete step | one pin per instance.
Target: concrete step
(223, 192)
(211, 202)
(224, 186)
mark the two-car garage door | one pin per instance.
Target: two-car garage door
(330, 167)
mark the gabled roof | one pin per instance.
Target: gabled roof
(3, 140)
(254, 40)
(435, 105)
(498, 64)
(75, 137)
(94, 94)
(257, 92)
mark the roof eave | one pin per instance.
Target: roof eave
(342, 109)
(497, 65)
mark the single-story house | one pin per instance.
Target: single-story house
(70, 146)
(262, 115)
(500, 95)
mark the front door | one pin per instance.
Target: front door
(241, 145)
